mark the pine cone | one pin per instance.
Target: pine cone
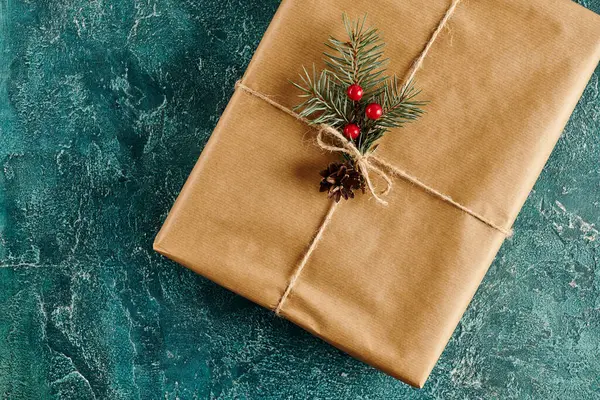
(341, 180)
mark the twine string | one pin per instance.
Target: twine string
(367, 163)
(400, 173)
(313, 245)
(418, 62)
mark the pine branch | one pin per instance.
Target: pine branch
(357, 61)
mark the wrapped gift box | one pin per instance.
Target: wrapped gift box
(386, 284)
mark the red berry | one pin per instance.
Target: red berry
(374, 111)
(352, 131)
(355, 92)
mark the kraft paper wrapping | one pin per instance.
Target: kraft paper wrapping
(386, 284)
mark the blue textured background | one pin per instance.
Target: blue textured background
(105, 107)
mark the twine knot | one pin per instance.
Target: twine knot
(363, 161)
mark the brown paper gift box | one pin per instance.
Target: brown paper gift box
(386, 284)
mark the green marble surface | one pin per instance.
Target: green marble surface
(105, 107)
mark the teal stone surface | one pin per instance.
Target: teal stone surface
(105, 107)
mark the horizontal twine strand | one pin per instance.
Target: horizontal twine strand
(383, 164)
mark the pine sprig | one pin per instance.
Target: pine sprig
(357, 61)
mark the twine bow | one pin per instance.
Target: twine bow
(363, 161)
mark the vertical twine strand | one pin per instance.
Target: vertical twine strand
(309, 252)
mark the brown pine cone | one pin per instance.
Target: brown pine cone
(341, 180)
